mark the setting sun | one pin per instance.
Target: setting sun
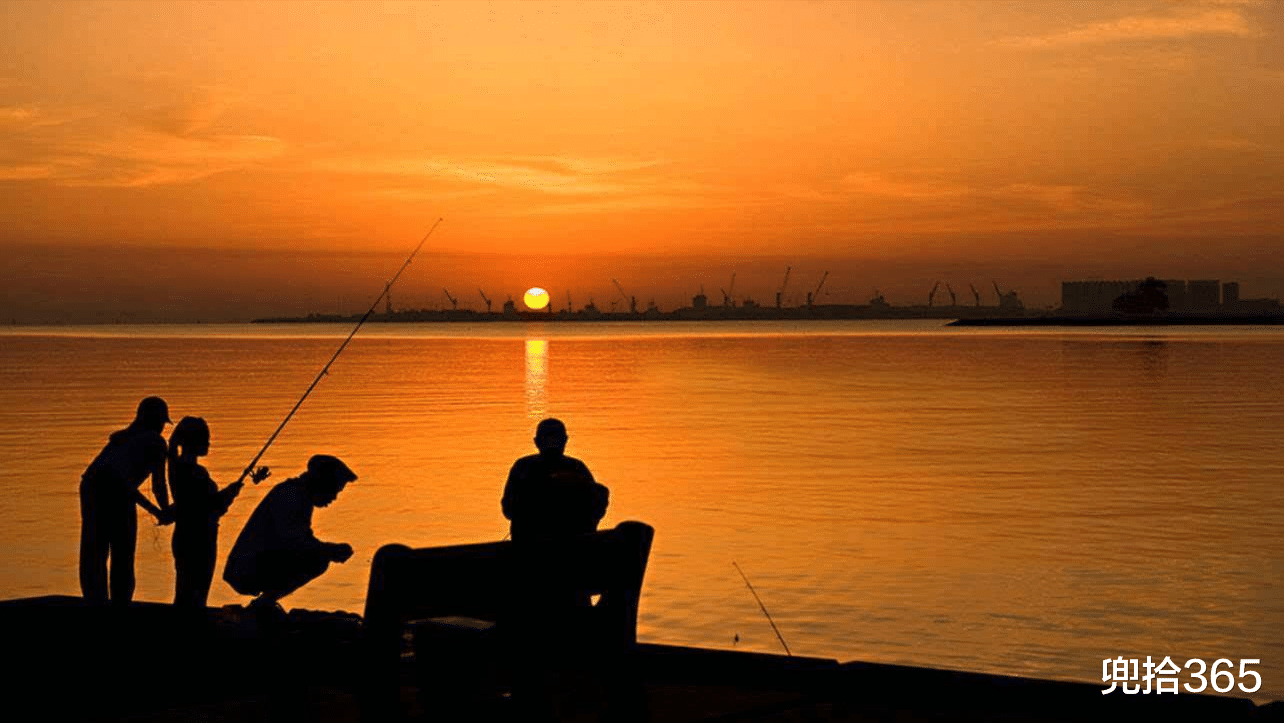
(536, 298)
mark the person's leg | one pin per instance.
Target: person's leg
(93, 546)
(281, 572)
(204, 574)
(186, 569)
(124, 540)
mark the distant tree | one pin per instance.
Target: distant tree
(1150, 296)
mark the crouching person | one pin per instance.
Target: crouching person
(276, 553)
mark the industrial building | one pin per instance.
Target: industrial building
(1201, 295)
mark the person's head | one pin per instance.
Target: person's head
(550, 437)
(325, 478)
(190, 436)
(153, 413)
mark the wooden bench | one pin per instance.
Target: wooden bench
(491, 616)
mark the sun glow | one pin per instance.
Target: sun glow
(536, 298)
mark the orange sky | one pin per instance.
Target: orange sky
(261, 156)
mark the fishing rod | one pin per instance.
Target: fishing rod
(780, 637)
(249, 469)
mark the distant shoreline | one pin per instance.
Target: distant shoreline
(1175, 320)
(712, 314)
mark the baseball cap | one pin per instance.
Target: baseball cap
(154, 408)
(324, 465)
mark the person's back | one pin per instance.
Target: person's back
(549, 495)
(282, 521)
(552, 497)
(197, 502)
(129, 457)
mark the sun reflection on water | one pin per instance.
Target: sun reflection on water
(536, 378)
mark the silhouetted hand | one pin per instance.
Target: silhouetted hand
(260, 474)
(340, 551)
(229, 493)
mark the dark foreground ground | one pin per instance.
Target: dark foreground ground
(146, 664)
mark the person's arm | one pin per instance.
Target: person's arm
(292, 518)
(338, 551)
(601, 498)
(229, 493)
(163, 517)
(225, 496)
(509, 502)
(600, 495)
(160, 490)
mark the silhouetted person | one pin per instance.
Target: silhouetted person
(108, 493)
(198, 505)
(277, 553)
(550, 496)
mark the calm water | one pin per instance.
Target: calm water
(1022, 502)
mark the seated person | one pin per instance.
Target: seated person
(276, 552)
(550, 496)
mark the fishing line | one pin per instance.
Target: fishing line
(249, 469)
(780, 637)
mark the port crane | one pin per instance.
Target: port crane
(454, 303)
(931, 295)
(975, 294)
(632, 300)
(1008, 301)
(816, 294)
(483, 295)
(954, 301)
(387, 298)
(780, 294)
(727, 300)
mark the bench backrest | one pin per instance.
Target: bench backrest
(497, 580)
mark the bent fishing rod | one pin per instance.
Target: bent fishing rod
(387, 289)
(764, 608)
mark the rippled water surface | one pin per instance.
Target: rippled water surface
(1023, 502)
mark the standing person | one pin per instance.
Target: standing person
(276, 553)
(551, 496)
(108, 493)
(198, 505)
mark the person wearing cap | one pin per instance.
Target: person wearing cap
(550, 496)
(276, 552)
(109, 491)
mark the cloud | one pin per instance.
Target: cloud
(934, 201)
(27, 172)
(1234, 144)
(181, 118)
(132, 158)
(616, 205)
(873, 184)
(1224, 19)
(173, 141)
(592, 166)
(15, 114)
(577, 185)
(543, 174)
(21, 118)
(143, 158)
